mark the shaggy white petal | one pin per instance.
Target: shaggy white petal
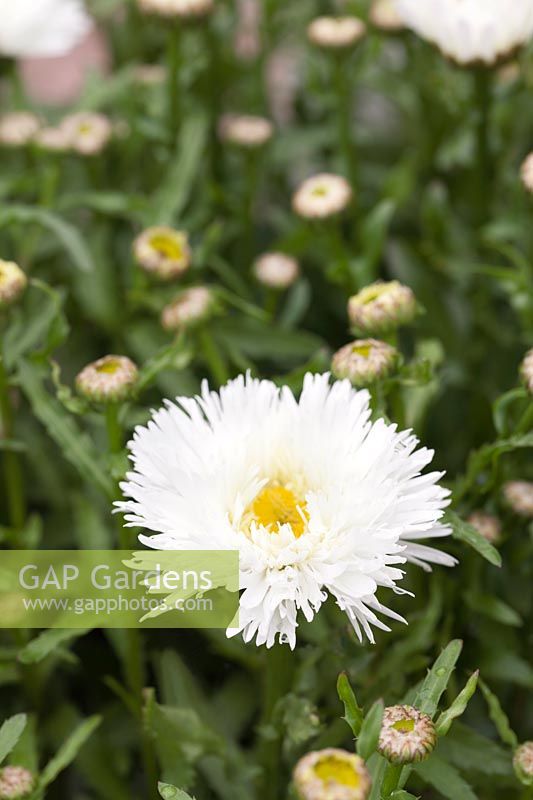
(201, 463)
(470, 30)
(42, 28)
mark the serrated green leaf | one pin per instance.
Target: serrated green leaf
(499, 717)
(367, 741)
(458, 706)
(47, 641)
(68, 751)
(465, 532)
(436, 681)
(445, 779)
(10, 733)
(353, 714)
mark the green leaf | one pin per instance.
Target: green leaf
(169, 792)
(465, 532)
(470, 751)
(353, 714)
(76, 446)
(436, 681)
(172, 196)
(458, 706)
(445, 779)
(367, 741)
(47, 641)
(10, 733)
(68, 236)
(493, 608)
(68, 751)
(401, 794)
(175, 356)
(41, 321)
(499, 717)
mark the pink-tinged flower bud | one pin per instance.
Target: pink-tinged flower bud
(526, 173)
(383, 15)
(407, 735)
(519, 496)
(88, 132)
(487, 525)
(15, 783)
(190, 308)
(18, 128)
(365, 362)
(111, 379)
(245, 130)
(13, 283)
(322, 196)
(163, 252)
(382, 307)
(523, 763)
(526, 370)
(331, 774)
(276, 270)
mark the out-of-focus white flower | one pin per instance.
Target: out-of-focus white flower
(523, 763)
(52, 139)
(277, 270)
(383, 15)
(526, 173)
(18, 128)
(185, 9)
(317, 499)
(331, 774)
(42, 27)
(487, 525)
(150, 74)
(470, 31)
(88, 132)
(526, 370)
(191, 307)
(245, 130)
(247, 39)
(322, 196)
(162, 251)
(519, 495)
(336, 33)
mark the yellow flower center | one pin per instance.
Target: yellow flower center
(404, 725)
(319, 191)
(337, 770)
(167, 246)
(276, 505)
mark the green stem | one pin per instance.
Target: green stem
(391, 779)
(174, 98)
(526, 421)
(114, 430)
(212, 355)
(277, 683)
(249, 199)
(12, 468)
(344, 119)
(483, 96)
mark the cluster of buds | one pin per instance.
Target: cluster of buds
(15, 783)
(382, 307)
(13, 283)
(519, 496)
(331, 774)
(111, 379)
(245, 130)
(487, 525)
(365, 362)
(526, 370)
(181, 9)
(85, 132)
(523, 763)
(190, 308)
(407, 735)
(322, 196)
(336, 33)
(163, 252)
(276, 270)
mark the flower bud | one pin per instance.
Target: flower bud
(383, 15)
(191, 307)
(182, 9)
(18, 128)
(526, 370)
(162, 251)
(276, 270)
(487, 525)
(331, 774)
(526, 173)
(382, 307)
(53, 140)
(15, 783)
(336, 33)
(245, 130)
(13, 282)
(108, 380)
(519, 496)
(523, 763)
(364, 362)
(407, 735)
(322, 196)
(88, 132)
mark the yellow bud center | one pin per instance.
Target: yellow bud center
(337, 770)
(319, 191)
(108, 367)
(404, 725)
(362, 350)
(276, 505)
(167, 246)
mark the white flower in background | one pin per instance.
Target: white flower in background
(191, 307)
(163, 252)
(470, 31)
(526, 172)
(18, 128)
(336, 33)
(42, 28)
(317, 499)
(322, 196)
(87, 132)
(383, 15)
(276, 270)
(245, 130)
(185, 9)
(526, 370)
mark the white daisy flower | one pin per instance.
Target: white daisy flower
(42, 28)
(470, 31)
(317, 499)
